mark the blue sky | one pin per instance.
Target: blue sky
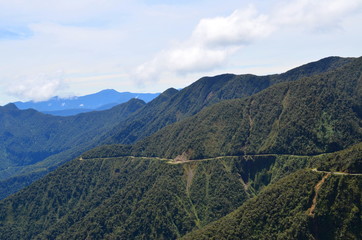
(79, 47)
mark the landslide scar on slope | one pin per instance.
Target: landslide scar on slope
(189, 173)
(317, 187)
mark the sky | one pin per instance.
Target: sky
(73, 48)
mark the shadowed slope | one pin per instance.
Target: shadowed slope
(34, 142)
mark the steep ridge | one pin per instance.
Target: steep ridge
(176, 106)
(308, 116)
(282, 210)
(33, 142)
(130, 198)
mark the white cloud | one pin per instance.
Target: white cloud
(240, 28)
(314, 15)
(77, 50)
(183, 59)
(38, 88)
(99, 44)
(214, 40)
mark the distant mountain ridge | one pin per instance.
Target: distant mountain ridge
(102, 100)
(34, 142)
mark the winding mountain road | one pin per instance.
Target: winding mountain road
(337, 173)
(181, 161)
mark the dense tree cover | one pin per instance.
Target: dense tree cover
(281, 211)
(108, 151)
(308, 116)
(313, 68)
(138, 198)
(41, 142)
(130, 192)
(348, 160)
(148, 198)
(28, 136)
(33, 142)
(131, 198)
(173, 106)
(339, 209)
(268, 216)
(8, 186)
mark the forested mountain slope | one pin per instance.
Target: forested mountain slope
(124, 197)
(33, 141)
(254, 156)
(42, 142)
(138, 198)
(303, 205)
(173, 106)
(318, 114)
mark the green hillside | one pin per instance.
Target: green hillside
(282, 211)
(34, 143)
(138, 198)
(308, 116)
(303, 205)
(282, 163)
(173, 106)
(129, 198)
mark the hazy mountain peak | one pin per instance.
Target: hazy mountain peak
(102, 100)
(10, 106)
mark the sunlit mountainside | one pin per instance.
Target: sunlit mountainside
(228, 157)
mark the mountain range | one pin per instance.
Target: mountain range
(169, 107)
(34, 143)
(228, 157)
(102, 100)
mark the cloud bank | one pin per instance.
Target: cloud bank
(37, 88)
(158, 44)
(215, 40)
(212, 41)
